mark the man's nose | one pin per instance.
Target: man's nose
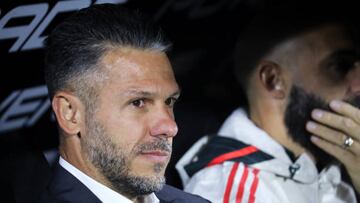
(163, 123)
(354, 80)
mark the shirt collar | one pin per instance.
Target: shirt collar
(240, 127)
(104, 193)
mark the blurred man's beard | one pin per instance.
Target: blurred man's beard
(298, 112)
(114, 163)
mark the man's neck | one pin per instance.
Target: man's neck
(78, 159)
(104, 193)
(271, 120)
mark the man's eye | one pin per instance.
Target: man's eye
(344, 66)
(138, 103)
(171, 101)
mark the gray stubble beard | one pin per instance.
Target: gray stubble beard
(113, 163)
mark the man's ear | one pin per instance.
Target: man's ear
(271, 77)
(68, 110)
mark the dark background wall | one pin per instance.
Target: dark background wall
(203, 32)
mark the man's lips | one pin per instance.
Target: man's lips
(156, 155)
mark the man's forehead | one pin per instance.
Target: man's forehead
(319, 43)
(136, 60)
(116, 55)
(132, 70)
(331, 34)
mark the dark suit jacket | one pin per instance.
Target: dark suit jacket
(65, 188)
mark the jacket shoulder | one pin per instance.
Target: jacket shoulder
(174, 195)
(221, 149)
(66, 188)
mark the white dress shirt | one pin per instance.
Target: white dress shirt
(102, 192)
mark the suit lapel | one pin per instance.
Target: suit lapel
(64, 186)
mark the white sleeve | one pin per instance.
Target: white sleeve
(227, 182)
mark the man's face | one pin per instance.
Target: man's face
(129, 134)
(325, 71)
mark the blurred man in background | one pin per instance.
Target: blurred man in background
(300, 70)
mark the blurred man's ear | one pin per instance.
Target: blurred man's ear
(271, 77)
(68, 111)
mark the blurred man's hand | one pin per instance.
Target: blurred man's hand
(338, 133)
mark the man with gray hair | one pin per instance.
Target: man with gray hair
(113, 91)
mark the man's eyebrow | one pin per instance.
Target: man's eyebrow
(340, 54)
(176, 94)
(343, 52)
(141, 93)
(135, 92)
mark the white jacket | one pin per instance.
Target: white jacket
(265, 174)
